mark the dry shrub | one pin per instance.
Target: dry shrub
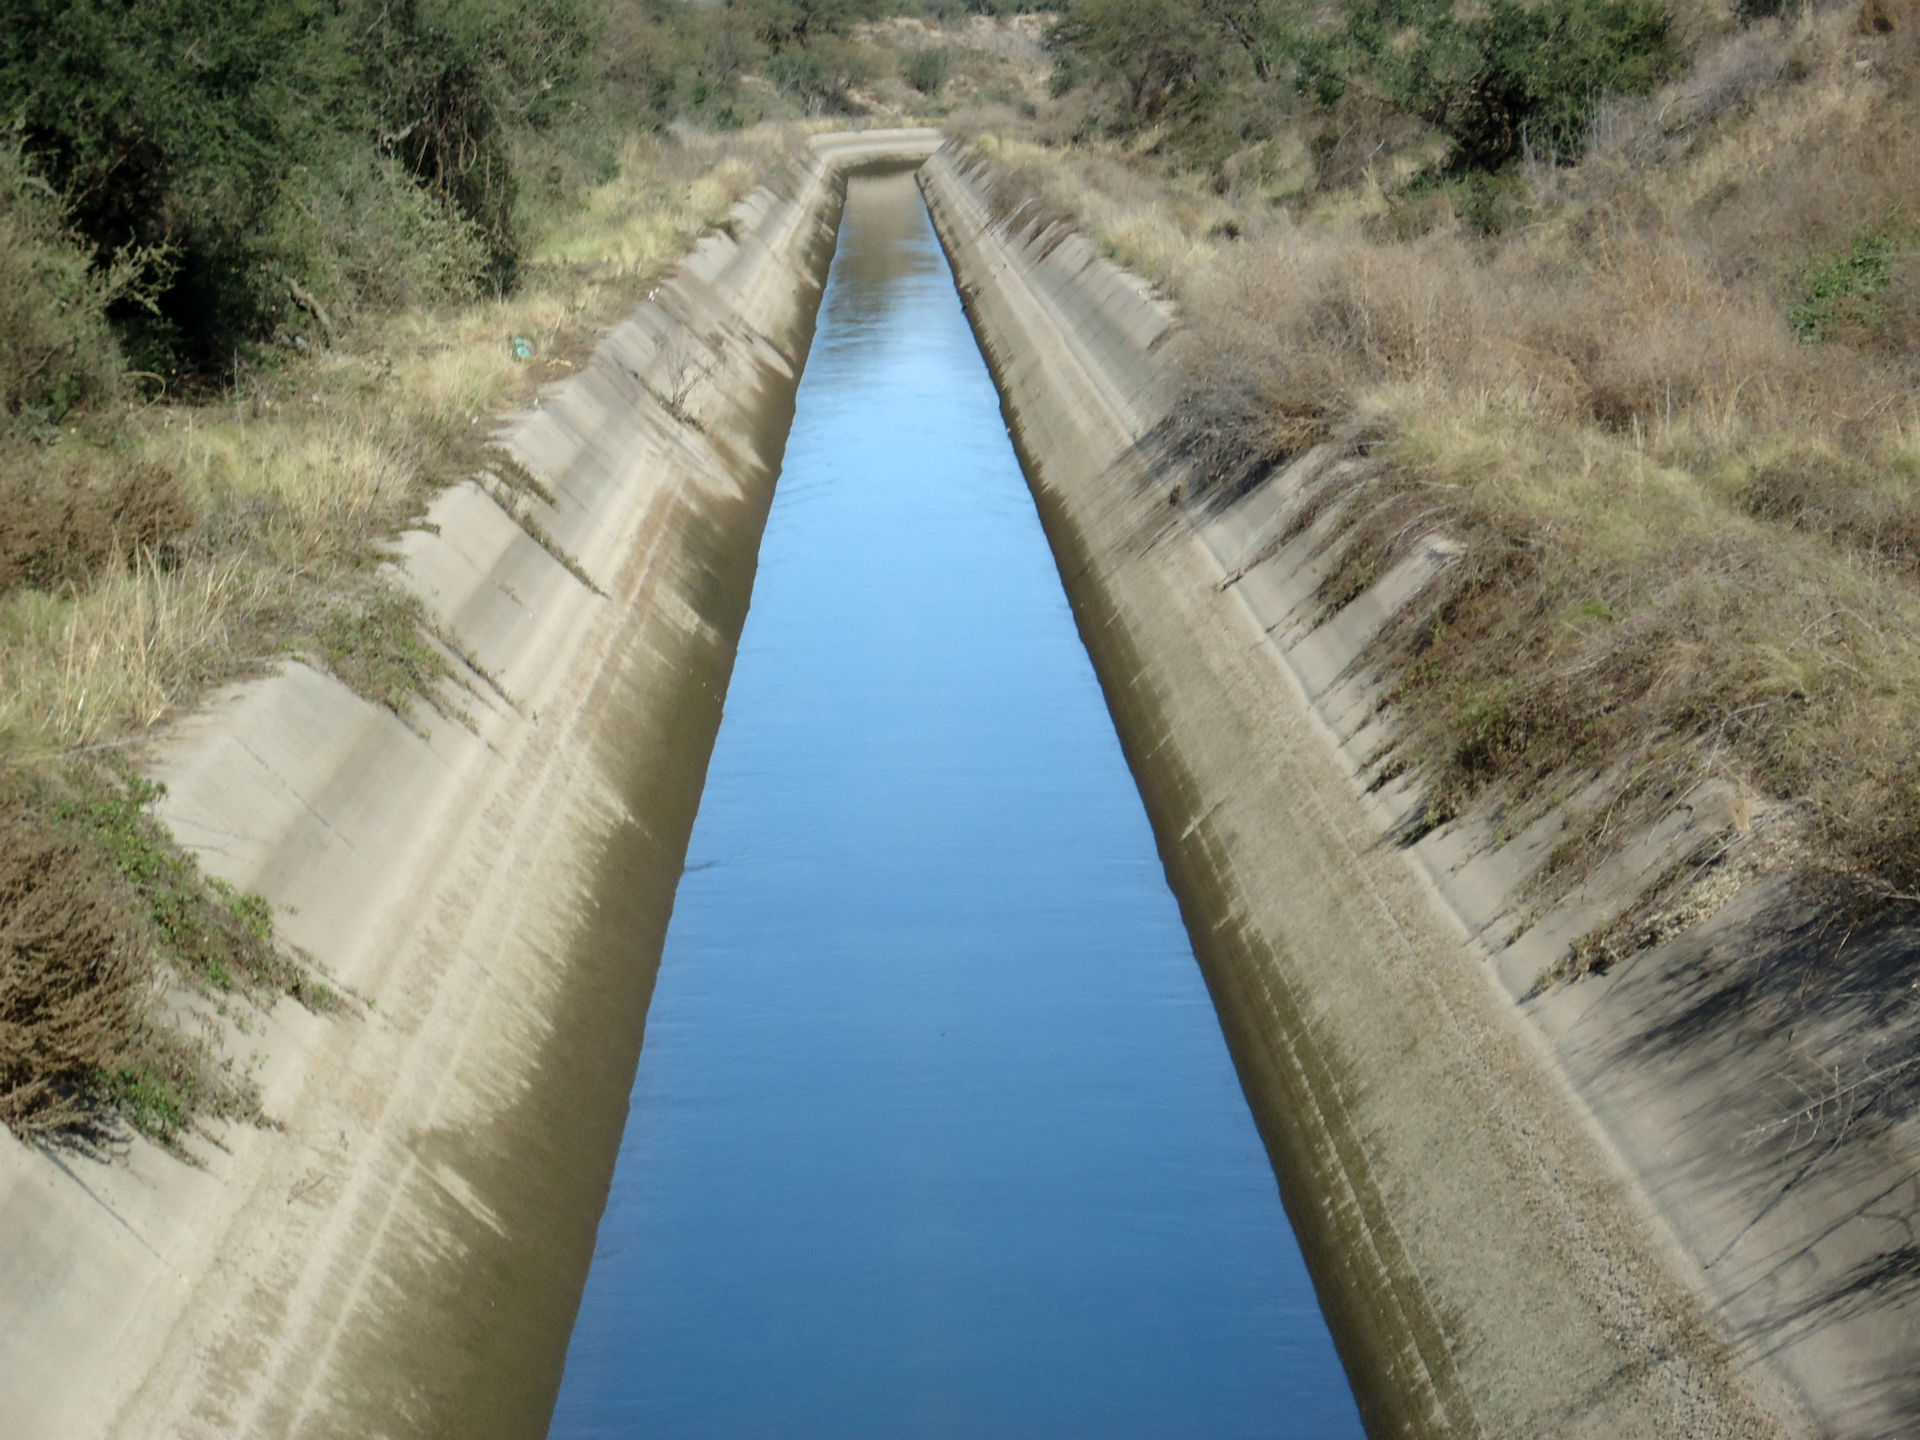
(1871, 823)
(100, 913)
(1868, 508)
(74, 976)
(1887, 17)
(1361, 135)
(1898, 334)
(1298, 332)
(79, 513)
(1728, 75)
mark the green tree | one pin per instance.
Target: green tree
(450, 78)
(169, 124)
(785, 24)
(1516, 74)
(226, 136)
(1153, 49)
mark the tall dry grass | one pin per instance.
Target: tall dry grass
(1165, 228)
(90, 667)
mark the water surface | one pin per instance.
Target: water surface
(934, 1134)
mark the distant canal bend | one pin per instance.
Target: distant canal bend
(934, 1133)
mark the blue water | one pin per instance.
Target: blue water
(934, 1132)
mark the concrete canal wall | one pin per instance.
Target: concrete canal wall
(401, 1253)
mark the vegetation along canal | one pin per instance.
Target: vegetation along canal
(934, 1132)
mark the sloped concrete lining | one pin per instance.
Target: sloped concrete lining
(1500, 1242)
(402, 1253)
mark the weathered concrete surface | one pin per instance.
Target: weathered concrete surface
(1736, 1067)
(1489, 1260)
(403, 1254)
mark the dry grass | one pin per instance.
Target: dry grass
(90, 667)
(1693, 536)
(183, 544)
(1165, 229)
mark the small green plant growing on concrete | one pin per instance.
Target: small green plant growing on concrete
(385, 651)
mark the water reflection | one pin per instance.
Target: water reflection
(934, 1132)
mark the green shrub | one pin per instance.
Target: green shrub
(259, 145)
(926, 70)
(1516, 75)
(56, 346)
(1151, 49)
(170, 124)
(820, 73)
(449, 79)
(365, 235)
(665, 59)
(1496, 80)
(212, 934)
(780, 24)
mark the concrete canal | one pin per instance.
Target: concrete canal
(934, 1132)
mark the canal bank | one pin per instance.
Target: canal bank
(401, 1251)
(1488, 1261)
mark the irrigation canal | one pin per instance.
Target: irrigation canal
(934, 1132)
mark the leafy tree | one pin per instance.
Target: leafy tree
(168, 124)
(1517, 73)
(1153, 49)
(450, 78)
(56, 347)
(786, 24)
(220, 134)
